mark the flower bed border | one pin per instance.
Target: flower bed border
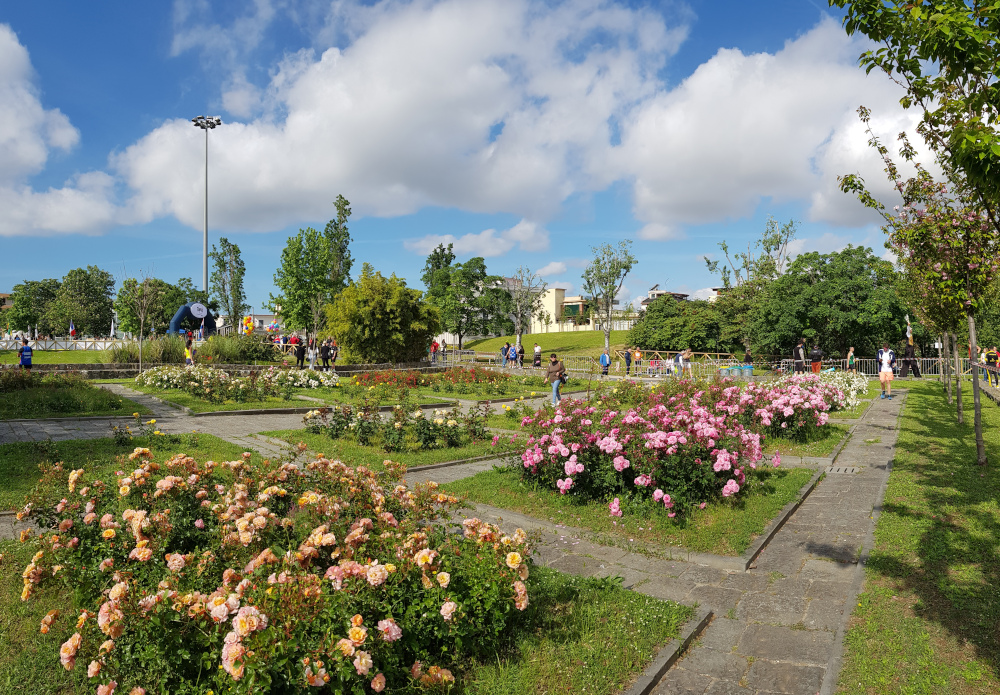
(670, 653)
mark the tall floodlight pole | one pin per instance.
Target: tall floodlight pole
(206, 124)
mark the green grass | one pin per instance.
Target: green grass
(827, 439)
(852, 413)
(61, 399)
(29, 660)
(19, 461)
(583, 635)
(722, 528)
(372, 457)
(55, 357)
(926, 621)
(570, 343)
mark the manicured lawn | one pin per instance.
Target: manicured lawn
(578, 635)
(56, 357)
(371, 456)
(583, 635)
(64, 398)
(829, 436)
(569, 343)
(852, 413)
(19, 461)
(927, 619)
(721, 528)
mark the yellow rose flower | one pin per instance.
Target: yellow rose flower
(108, 533)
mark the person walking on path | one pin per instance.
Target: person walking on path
(520, 355)
(992, 357)
(300, 355)
(850, 359)
(816, 359)
(638, 360)
(188, 354)
(25, 352)
(628, 361)
(555, 375)
(434, 352)
(538, 355)
(324, 354)
(886, 360)
(799, 357)
(512, 356)
(334, 353)
(313, 354)
(605, 363)
(503, 354)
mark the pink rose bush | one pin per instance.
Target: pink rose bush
(678, 444)
(300, 576)
(673, 451)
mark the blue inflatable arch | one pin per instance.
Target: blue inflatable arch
(185, 313)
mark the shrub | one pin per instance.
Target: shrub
(677, 452)
(405, 430)
(166, 350)
(242, 349)
(272, 578)
(218, 386)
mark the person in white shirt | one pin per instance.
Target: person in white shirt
(886, 359)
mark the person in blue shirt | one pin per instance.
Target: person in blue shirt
(605, 362)
(25, 352)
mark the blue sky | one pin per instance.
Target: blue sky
(524, 131)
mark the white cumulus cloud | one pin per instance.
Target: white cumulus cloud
(553, 268)
(525, 235)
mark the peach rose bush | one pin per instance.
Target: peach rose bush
(278, 577)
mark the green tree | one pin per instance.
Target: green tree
(378, 320)
(671, 324)
(304, 280)
(842, 299)
(437, 274)
(31, 300)
(475, 302)
(745, 278)
(945, 54)
(84, 297)
(603, 279)
(137, 300)
(227, 279)
(339, 240)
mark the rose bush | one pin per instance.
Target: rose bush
(677, 452)
(192, 576)
(217, 385)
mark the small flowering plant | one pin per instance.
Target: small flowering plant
(274, 578)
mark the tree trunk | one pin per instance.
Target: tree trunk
(607, 336)
(941, 370)
(946, 364)
(977, 409)
(140, 345)
(958, 379)
(460, 336)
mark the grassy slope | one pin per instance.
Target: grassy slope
(19, 461)
(570, 343)
(832, 433)
(927, 619)
(721, 528)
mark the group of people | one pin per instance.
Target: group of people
(513, 355)
(679, 364)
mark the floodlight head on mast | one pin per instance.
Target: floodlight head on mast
(207, 123)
